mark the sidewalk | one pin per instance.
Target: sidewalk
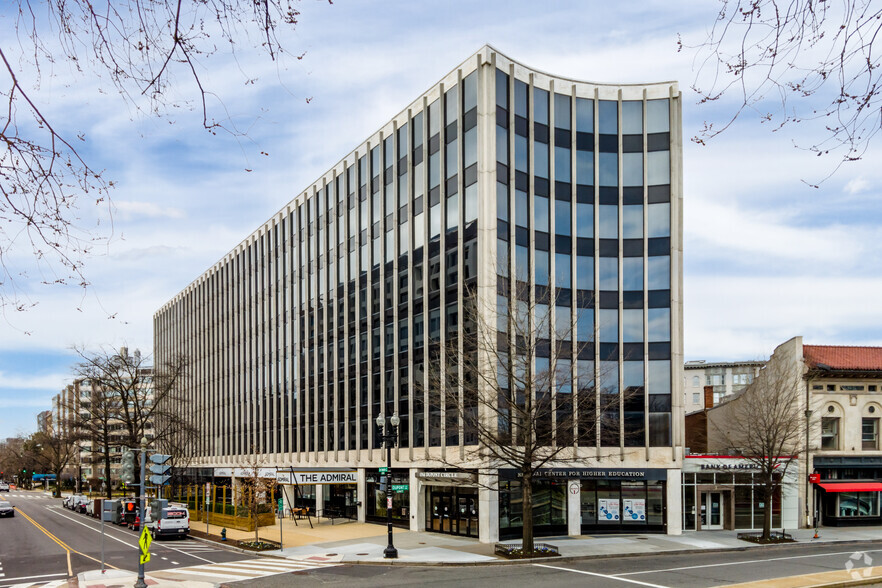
(354, 542)
(349, 542)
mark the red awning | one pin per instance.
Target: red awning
(852, 487)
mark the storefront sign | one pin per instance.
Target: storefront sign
(575, 487)
(245, 472)
(730, 467)
(306, 477)
(814, 478)
(592, 474)
(450, 477)
(608, 509)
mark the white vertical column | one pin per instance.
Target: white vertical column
(361, 494)
(674, 506)
(417, 508)
(488, 508)
(319, 498)
(574, 507)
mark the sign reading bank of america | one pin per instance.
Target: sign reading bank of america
(307, 477)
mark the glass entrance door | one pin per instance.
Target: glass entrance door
(440, 512)
(712, 510)
(468, 514)
(453, 511)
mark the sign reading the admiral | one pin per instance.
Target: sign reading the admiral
(306, 477)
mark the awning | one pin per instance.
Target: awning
(852, 487)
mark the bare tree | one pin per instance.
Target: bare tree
(122, 398)
(508, 383)
(766, 424)
(151, 54)
(797, 61)
(17, 460)
(257, 491)
(57, 448)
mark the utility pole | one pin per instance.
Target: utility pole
(141, 583)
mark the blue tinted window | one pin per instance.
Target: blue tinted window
(609, 325)
(470, 92)
(585, 325)
(632, 374)
(561, 111)
(659, 273)
(632, 117)
(521, 209)
(541, 259)
(584, 115)
(520, 91)
(585, 168)
(522, 263)
(501, 89)
(540, 159)
(632, 273)
(659, 325)
(434, 118)
(609, 221)
(658, 116)
(659, 220)
(584, 273)
(632, 169)
(658, 168)
(562, 271)
(562, 165)
(632, 221)
(521, 153)
(609, 168)
(540, 213)
(608, 113)
(540, 106)
(502, 146)
(609, 273)
(659, 377)
(584, 220)
(501, 201)
(562, 217)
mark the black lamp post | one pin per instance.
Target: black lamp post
(389, 436)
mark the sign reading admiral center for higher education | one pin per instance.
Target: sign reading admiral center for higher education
(306, 477)
(592, 474)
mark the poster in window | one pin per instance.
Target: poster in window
(608, 509)
(634, 509)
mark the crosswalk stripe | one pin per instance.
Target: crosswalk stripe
(243, 569)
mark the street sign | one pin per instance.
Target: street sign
(400, 487)
(159, 480)
(144, 542)
(281, 504)
(384, 470)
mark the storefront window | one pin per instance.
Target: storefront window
(858, 504)
(549, 507)
(743, 508)
(376, 496)
(634, 502)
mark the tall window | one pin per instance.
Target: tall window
(830, 433)
(870, 434)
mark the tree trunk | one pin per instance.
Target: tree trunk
(527, 537)
(109, 490)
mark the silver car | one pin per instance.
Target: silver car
(6, 509)
(4, 487)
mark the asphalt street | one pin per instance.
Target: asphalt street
(45, 542)
(687, 570)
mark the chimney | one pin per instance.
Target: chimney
(708, 396)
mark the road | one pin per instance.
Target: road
(687, 570)
(45, 542)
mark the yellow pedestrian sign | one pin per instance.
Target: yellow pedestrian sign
(145, 542)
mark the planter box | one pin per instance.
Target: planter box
(234, 522)
(515, 551)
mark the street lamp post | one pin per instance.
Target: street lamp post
(389, 436)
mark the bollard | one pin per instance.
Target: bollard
(224, 534)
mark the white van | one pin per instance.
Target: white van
(173, 521)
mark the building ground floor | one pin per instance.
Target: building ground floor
(847, 491)
(487, 506)
(725, 492)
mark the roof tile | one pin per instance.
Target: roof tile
(840, 357)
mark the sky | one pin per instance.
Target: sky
(766, 256)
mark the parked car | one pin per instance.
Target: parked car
(78, 503)
(173, 521)
(6, 509)
(4, 487)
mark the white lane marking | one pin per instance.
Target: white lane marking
(34, 577)
(175, 563)
(64, 516)
(98, 530)
(749, 561)
(600, 576)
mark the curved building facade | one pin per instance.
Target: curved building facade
(500, 189)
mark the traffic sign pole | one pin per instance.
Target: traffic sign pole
(141, 558)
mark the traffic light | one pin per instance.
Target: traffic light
(130, 507)
(127, 470)
(156, 505)
(160, 469)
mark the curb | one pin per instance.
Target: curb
(575, 558)
(233, 547)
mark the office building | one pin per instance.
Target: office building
(337, 309)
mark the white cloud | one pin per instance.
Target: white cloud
(129, 210)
